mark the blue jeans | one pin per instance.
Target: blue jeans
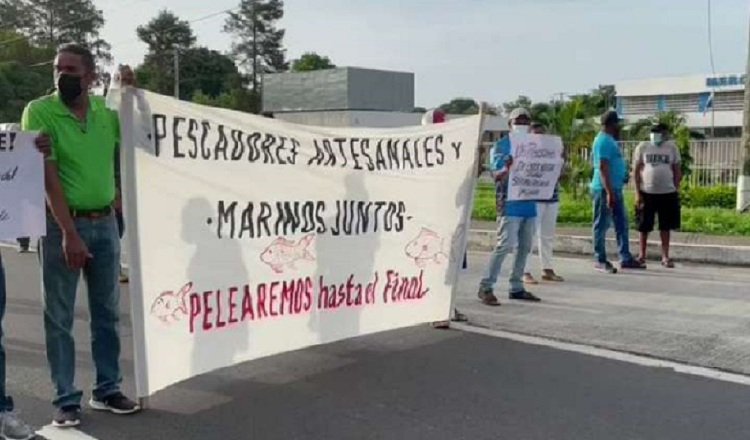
(60, 285)
(511, 232)
(6, 403)
(603, 216)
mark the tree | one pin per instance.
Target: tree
(25, 74)
(257, 42)
(165, 32)
(461, 106)
(241, 99)
(49, 23)
(311, 61)
(163, 35)
(522, 101)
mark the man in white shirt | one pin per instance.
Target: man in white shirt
(657, 175)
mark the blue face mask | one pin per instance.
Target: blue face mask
(657, 139)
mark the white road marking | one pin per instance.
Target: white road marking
(53, 433)
(645, 361)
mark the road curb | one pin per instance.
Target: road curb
(484, 241)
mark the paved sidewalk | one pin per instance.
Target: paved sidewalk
(688, 247)
(696, 314)
(677, 237)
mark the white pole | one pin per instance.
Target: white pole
(465, 222)
(130, 194)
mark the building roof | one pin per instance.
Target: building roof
(682, 85)
(342, 88)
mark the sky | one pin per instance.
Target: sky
(490, 50)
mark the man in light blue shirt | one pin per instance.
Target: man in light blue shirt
(610, 176)
(516, 221)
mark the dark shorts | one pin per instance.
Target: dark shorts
(666, 206)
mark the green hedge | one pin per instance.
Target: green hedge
(709, 197)
(705, 210)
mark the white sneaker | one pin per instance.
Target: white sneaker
(13, 428)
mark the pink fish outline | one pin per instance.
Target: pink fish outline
(169, 306)
(283, 253)
(426, 248)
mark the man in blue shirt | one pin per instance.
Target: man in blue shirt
(516, 220)
(610, 176)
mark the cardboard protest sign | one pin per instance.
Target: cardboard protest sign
(252, 236)
(537, 164)
(22, 212)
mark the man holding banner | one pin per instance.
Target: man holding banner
(516, 221)
(82, 234)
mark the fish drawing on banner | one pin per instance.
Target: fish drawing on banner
(426, 248)
(170, 306)
(283, 253)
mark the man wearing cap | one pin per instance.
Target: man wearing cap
(657, 175)
(516, 221)
(610, 176)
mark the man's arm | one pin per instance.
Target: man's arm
(501, 165)
(76, 252)
(606, 177)
(56, 198)
(677, 173)
(637, 178)
(118, 182)
(677, 168)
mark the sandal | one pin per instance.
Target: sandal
(668, 263)
(551, 276)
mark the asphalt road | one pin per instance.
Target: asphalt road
(415, 383)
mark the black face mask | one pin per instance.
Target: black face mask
(69, 88)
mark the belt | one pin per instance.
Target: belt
(91, 213)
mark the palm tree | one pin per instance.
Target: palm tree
(577, 129)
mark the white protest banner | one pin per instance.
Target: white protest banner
(537, 163)
(251, 236)
(22, 211)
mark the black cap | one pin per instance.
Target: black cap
(610, 117)
(659, 127)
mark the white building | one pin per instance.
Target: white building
(706, 101)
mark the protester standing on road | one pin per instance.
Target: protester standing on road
(515, 220)
(546, 223)
(11, 426)
(437, 116)
(82, 235)
(657, 175)
(610, 176)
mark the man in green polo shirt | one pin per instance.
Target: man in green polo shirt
(82, 236)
